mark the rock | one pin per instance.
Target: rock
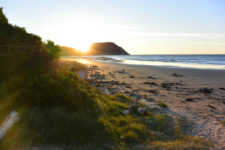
(177, 75)
(150, 77)
(152, 91)
(168, 86)
(114, 82)
(133, 106)
(189, 99)
(121, 71)
(143, 111)
(125, 112)
(129, 87)
(123, 83)
(150, 83)
(206, 90)
(133, 95)
(211, 106)
(222, 88)
(151, 99)
(131, 76)
(106, 91)
(94, 66)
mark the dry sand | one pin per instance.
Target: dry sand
(181, 93)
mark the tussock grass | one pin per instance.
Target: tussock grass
(182, 144)
(162, 104)
(223, 122)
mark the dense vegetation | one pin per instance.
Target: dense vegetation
(68, 51)
(58, 108)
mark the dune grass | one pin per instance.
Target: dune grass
(223, 122)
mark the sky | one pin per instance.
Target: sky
(139, 26)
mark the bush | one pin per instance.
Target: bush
(52, 49)
(162, 104)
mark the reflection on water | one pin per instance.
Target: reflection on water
(83, 61)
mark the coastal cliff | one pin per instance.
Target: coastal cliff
(106, 48)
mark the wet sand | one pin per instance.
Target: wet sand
(196, 94)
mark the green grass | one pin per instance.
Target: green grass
(162, 104)
(223, 122)
(60, 109)
(182, 144)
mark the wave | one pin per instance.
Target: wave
(184, 61)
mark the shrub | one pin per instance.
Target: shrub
(162, 104)
(52, 49)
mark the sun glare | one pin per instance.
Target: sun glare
(81, 33)
(83, 46)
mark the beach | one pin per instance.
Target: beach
(197, 94)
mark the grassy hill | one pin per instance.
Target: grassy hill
(57, 108)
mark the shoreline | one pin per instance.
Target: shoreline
(198, 95)
(169, 65)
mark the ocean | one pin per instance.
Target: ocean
(168, 61)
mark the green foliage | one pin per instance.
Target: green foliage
(3, 19)
(223, 122)
(162, 104)
(52, 49)
(20, 52)
(162, 123)
(193, 143)
(68, 51)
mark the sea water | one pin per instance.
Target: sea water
(174, 61)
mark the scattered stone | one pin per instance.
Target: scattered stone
(222, 88)
(125, 112)
(94, 66)
(189, 99)
(106, 91)
(211, 106)
(150, 77)
(168, 86)
(114, 82)
(132, 76)
(206, 90)
(133, 95)
(152, 91)
(177, 75)
(128, 86)
(151, 99)
(162, 104)
(123, 83)
(143, 111)
(150, 83)
(121, 71)
(136, 90)
(133, 106)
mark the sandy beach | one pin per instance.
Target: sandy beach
(198, 95)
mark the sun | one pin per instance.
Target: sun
(81, 33)
(83, 46)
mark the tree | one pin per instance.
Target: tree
(3, 19)
(52, 49)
